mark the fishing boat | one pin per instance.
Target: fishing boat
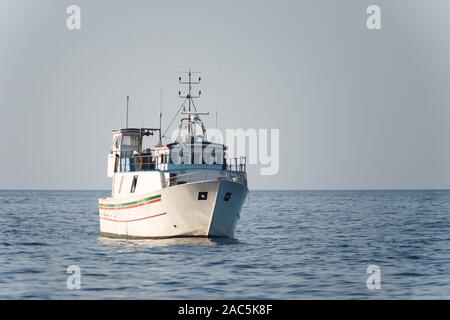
(185, 188)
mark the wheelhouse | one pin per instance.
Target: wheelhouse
(128, 154)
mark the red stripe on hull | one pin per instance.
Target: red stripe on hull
(153, 216)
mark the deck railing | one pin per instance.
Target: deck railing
(205, 175)
(129, 162)
(187, 178)
(237, 164)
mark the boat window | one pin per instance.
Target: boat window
(133, 184)
(130, 141)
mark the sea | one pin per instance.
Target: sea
(289, 245)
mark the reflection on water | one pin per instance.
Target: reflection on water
(151, 243)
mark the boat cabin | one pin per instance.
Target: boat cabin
(127, 153)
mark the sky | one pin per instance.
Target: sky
(356, 108)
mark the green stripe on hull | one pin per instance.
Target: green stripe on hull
(130, 203)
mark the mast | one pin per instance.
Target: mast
(160, 119)
(160, 88)
(189, 97)
(126, 124)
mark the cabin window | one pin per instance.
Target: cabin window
(130, 141)
(133, 184)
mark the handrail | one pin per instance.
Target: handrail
(239, 164)
(177, 180)
(142, 162)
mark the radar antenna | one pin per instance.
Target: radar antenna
(192, 112)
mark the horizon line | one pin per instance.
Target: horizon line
(257, 189)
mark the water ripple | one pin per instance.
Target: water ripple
(292, 245)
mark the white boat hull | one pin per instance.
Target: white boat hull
(176, 211)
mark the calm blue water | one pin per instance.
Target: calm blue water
(292, 245)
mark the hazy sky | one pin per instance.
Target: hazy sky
(355, 108)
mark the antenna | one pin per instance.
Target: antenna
(160, 118)
(160, 87)
(128, 100)
(189, 97)
(217, 93)
(129, 65)
(193, 118)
